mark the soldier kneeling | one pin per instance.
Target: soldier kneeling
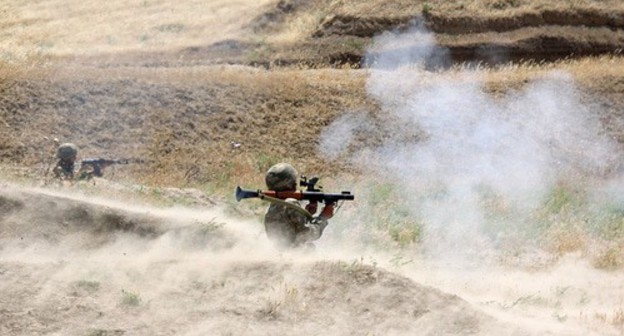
(285, 226)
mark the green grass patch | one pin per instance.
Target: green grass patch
(609, 222)
(88, 286)
(387, 217)
(129, 298)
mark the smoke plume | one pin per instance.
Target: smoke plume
(486, 163)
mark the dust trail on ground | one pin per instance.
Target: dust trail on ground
(565, 298)
(78, 264)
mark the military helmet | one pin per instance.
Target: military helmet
(67, 151)
(281, 177)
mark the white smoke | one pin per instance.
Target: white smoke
(512, 148)
(391, 50)
(336, 138)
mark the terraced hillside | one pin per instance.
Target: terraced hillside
(126, 102)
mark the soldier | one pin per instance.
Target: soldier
(66, 155)
(286, 226)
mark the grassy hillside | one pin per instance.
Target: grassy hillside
(211, 101)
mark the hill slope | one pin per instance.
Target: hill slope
(78, 266)
(483, 141)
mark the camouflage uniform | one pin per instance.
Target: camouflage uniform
(66, 153)
(285, 226)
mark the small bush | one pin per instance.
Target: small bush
(89, 286)
(130, 299)
(426, 9)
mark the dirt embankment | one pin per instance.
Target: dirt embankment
(544, 35)
(78, 266)
(339, 40)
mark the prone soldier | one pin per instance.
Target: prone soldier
(66, 154)
(65, 168)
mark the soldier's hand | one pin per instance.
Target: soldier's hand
(312, 207)
(328, 211)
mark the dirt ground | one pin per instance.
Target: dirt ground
(467, 105)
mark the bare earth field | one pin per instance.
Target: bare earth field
(484, 141)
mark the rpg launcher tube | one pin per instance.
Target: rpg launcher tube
(298, 195)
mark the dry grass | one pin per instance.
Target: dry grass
(608, 255)
(585, 70)
(463, 7)
(618, 317)
(73, 27)
(299, 27)
(92, 27)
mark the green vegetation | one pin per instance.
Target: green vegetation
(205, 232)
(355, 44)
(392, 217)
(426, 8)
(184, 119)
(88, 286)
(567, 220)
(609, 222)
(130, 299)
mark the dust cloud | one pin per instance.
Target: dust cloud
(75, 264)
(511, 150)
(474, 182)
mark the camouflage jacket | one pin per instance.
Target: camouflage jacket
(64, 169)
(287, 227)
